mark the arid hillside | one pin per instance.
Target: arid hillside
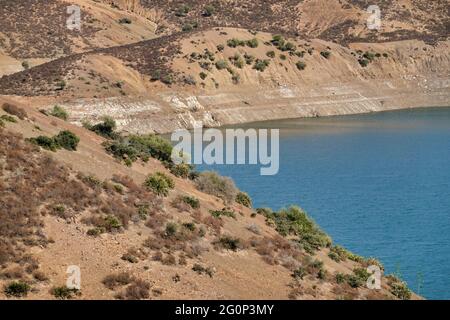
(157, 66)
(35, 31)
(134, 237)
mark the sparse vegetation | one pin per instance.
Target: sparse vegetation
(270, 54)
(244, 199)
(237, 61)
(208, 10)
(182, 10)
(221, 64)
(160, 183)
(229, 243)
(294, 221)
(202, 270)
(64, 139)
(64, 293)
(223, 213)
(252, 43)
(59, 112)
(115, 280)
(14, 110)
(17, 289)
(125, 20)
(233, 43)
(301, 65)
(261, 65)
(326, 54)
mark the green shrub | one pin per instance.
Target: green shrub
(253, 43)
(189, 226)
(400, 290)
(160, 184)
(17, 289)
(294, 221)
(363, 62)
(340, 278)
(112, 222)
(125, 21)
(25, 65)
(278, 40)
(237, 61)
(369, 56)
(203, 75)
(362, 274)
(221, 64)
(261, 65)
(60, 85)
(45, 142)
(94, 232)
(67, 140)
(229, 243)
(220, 47)
(188, 27)
(64, 293)
(236, 78)
(299, 273)
(244, 199)
(8, 118)
(212, 183)
(249, 58)
(140, 146)
(338, 253)
(182, 10)
(326, 54)
(59, 112)
(233, 43)
(200, 270)
(301, 65)
(270, 54)
(181, 170)
(209, 10)
(354, 281)
(171, 229)
(167, 78)
(153, 145)
(106, 128)
(193, 202)
(223, 212)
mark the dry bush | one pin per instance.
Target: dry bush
(181, 205)
(213, 223)
(222, 187)
(169, 260)
(120, 279)
(15, 110)
(137, 290)
(133, 255)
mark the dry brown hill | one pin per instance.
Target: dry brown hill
(85, 208)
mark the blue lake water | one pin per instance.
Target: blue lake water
(379, 184)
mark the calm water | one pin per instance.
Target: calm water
(379, 184)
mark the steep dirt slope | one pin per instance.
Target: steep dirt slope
(176, 81)
(339, 20)
(51, 202)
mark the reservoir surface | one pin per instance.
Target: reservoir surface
(378, 184)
